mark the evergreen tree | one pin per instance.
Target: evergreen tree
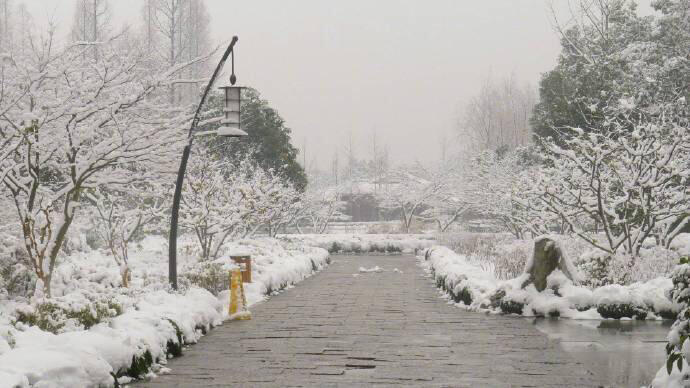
(268, 142)
(594, 68)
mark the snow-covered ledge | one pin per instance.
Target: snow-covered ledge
(474, 288)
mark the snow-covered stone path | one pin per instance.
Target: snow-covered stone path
(350, 328)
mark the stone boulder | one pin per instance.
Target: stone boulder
(547, 257)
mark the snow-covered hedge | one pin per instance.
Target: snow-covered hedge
(93, 332)
(124, 347)
(364, 243)
(676, 371)
(277, 265)
(476, 288)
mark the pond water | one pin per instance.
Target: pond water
(623, 353)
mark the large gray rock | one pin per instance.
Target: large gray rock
(547, 257)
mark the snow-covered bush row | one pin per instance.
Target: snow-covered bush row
(154, 327)
(93, 332)
(478, 289)
(505, 257)
(277, 265)
(364, 243)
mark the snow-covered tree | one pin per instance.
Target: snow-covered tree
(321, 204)
(410, 190)
(448, 207)
(81, 122)
(499, 188)
(498, 116)
(275, 203)
(123, 215)
(268, 143)
(611, 60)
(224, 201)
(7, 27)
(176, 31)
(213, 203)
(631, 184)
(91, 21)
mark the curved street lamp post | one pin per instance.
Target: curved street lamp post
(230, 127)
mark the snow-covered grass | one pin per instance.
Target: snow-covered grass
(364, 243)
(477, 288)
(93, 332)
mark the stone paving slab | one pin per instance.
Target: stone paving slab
(375, 329)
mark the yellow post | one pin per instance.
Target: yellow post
(236, 297)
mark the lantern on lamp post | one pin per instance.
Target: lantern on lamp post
(230, 127)
(231, 124)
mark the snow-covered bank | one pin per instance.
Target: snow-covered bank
(93, 332)
(476, 288)
(277, 265)
(364, 243)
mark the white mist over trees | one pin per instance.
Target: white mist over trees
(498, 116)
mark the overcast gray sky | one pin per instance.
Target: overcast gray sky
(402, 68)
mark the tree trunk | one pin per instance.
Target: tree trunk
(126, 277)
(46, 285)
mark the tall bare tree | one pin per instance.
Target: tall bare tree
(6, 26)
(91, 22)
(176, 31)
(498, 116)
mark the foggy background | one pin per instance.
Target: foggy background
(403, 69)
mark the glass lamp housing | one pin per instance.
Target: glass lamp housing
(230, 125)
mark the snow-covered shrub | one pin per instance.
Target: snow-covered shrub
(61, 314)
(7, 333)
(601, 268)
(616, 301)
(501, 254)
(120, 217)
(363, 243)
(384, 228)
(677, 349)
(463, 280)
(129, 346)
(16, 279)
(209, 275)
(654, 261)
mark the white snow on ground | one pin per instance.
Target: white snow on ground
(676, 379)
(368, 270)
(459, 277)
(364, 243)
(681, 244)
(151, 316)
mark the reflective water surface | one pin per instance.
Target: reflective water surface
(623, 353)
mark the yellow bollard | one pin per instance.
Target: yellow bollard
(236, 311)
